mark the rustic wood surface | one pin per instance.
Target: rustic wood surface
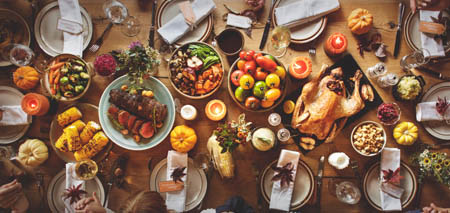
(244, 184)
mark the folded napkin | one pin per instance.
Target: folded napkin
(390, 159)
(435, 48)
(238, 21)
(303, 11)
(70, 10)
(176, 200)
(281, 196)
(427, 112)
(177, 27)
(71, 181)
(13, 116)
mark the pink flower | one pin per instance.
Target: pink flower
(135, 44)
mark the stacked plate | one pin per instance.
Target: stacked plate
(11, 97)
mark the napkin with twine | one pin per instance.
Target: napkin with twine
(390, 160)
(176, 200)
(71, 181)
(70, 10)
(304, 11)
(13, 116)
(435, 47)
(426, 111)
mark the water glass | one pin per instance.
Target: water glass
(283, 135)
(115, 11)
(21, 55)
(131, 26)
(345, 191)
(274, 119)
(418, 58)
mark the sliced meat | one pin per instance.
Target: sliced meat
(131, 121)
(137, 126)
(147, 130)
(123, 117)
(113, 110)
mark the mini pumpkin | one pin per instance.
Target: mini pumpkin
(25, 77)
(183, 138)
(33, 152)
(406, 133)
(360, 21)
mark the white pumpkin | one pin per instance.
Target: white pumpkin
(33, 152)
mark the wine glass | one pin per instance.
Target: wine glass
(20, 55)
(115, 11)
(279, 41)
(86, 169)
(345, 191)
(416, 59)
(131, 26)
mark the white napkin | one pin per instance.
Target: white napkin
(176, 200)
(70, 10)
(71, 180)
(239, 21)
(390, 159)
(13, 116)
(177, 27)
(281, 197)
(427, 112)
(303, 11)
(434, 47)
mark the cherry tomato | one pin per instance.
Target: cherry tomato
(252, 103)
(257, 54)
(273, 81)
(242, 54)
(260, 75)
(235, 76)
(272, 94)
(240, 64)
(266, 63)
(251, 54)
(247, 55)
(246, 81)
(267, 104)
(250, 67)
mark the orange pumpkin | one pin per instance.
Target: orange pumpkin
(300, 67)
(183, 138)
(360, 21)
(26, 77)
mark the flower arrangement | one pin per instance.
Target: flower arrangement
(105, 64)
(230, 135)
(138, 61)
(433, 164)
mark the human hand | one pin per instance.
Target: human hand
(10, 193)
(434, 209)
(428, 4)
(90, 205)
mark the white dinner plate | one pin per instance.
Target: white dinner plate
(412, 33)
(196, 183)
(49, 38)
(57, 187)
(10, 97)
(169, 9)
(372, 185)
(438, 129)
(21, 31)
(303, 33)
(303, 185)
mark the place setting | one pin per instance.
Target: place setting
(161, 122)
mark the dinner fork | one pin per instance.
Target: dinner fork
(94, 48)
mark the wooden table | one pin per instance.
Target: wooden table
(244, 184)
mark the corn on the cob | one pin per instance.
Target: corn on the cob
(223, 162)
(92, 147)
(79, 124)
(89, 131)
(61, 143)
(73, 138)
(68, 116)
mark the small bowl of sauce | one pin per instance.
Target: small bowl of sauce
(230, 41)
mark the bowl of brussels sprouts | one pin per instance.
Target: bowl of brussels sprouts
(67, 77)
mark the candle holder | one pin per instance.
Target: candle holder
(335, 45)
(215, 110)
(35, 104)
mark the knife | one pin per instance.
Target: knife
(398, 36)
(319, 180)
(119, 163)
(151, 37)
(266, 28)
(258, 190)
(434, 73)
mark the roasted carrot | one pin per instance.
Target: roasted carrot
(53, 91)
(50, 76)
(57, 66)
(57, 77)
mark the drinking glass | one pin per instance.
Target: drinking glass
(283, 135)
(131, 26)
(279, 41)
(115, 11)
(86, 169)
(21, 55)
(274, 119)
(345, 191)
(416, 59)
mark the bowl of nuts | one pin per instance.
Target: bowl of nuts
(196, 70)
(368, 138)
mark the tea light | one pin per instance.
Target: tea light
(215, 110)
(336, 44)
(188, 112)
(35, 104)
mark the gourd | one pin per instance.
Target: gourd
(360, 21)
(406, 133)
(25, 77)
(183, 138)
(33, 152)
(223, 162)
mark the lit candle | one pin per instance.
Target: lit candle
(188, 112)
(215, 110)
(336, 44)
(35, 104)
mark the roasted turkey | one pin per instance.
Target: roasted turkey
(323, 106)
